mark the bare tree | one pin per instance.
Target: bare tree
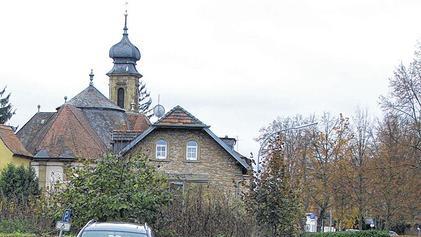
(328, 147)
(361, 151)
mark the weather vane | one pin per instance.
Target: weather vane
(126, 4)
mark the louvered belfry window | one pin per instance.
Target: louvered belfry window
(120, 98)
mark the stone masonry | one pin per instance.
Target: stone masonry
(213, 166)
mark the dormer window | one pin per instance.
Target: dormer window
(191, 150)
(161, 150)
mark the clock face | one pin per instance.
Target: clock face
(159, 111)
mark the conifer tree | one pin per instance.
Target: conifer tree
(6, 109)
(145, 100)
(18, 184)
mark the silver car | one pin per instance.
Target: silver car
(95, 229)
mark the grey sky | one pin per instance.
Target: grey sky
(235, 64)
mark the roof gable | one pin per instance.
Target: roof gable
(12, 142)
(69, 135)
(179, 117)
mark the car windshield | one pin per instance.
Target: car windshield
(102, 233)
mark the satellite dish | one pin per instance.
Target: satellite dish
(159, 111)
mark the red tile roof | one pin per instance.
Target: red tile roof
(180, 117)
(12, 142)
(137, 122)
(69, 135)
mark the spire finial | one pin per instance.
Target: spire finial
(125, 18)
(91, 77)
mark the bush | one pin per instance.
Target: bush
(18, 184)
(26, 217)
(368, 233)
(111, 189)
(204, 211)
(16, 235)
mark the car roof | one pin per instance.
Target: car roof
(126, 227)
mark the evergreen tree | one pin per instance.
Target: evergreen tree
(19, 184)
(145, 100)
(6, 109)
(275, 199)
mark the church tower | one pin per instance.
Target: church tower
(124, 77)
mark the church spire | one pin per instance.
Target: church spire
(125, 21)
(125, 55)
(124, 77)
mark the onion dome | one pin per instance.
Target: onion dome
(125, 55)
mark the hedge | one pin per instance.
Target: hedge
(368, 233)
(16, 235)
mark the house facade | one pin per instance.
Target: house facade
(189, 152)
(12, 150)
(91, 125)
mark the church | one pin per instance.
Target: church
(90, 125)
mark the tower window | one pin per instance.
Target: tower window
(120, 98)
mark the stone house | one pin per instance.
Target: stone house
(189, 152)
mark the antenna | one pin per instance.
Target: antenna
(158, 110)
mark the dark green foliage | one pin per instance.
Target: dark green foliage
(18, 184)
(145, 100)
(16, 235)
(112, 189)
(13, 226)
(369, 233)
(6, 109)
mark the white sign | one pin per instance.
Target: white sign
(63, 226)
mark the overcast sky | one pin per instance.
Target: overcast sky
(234, 64)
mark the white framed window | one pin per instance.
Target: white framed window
(191, 150)
(161, 150)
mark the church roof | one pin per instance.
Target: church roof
(125, 55)
(179, 117)
(92, 98)
(68, 135)
(28, 134)
(12, 142)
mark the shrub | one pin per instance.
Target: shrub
(16, 235)
(26, 217)
(111, 189)
(204, 211)
(368, 233)
(18, 184)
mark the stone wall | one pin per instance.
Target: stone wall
(214, 165)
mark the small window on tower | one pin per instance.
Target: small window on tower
(120, 98)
